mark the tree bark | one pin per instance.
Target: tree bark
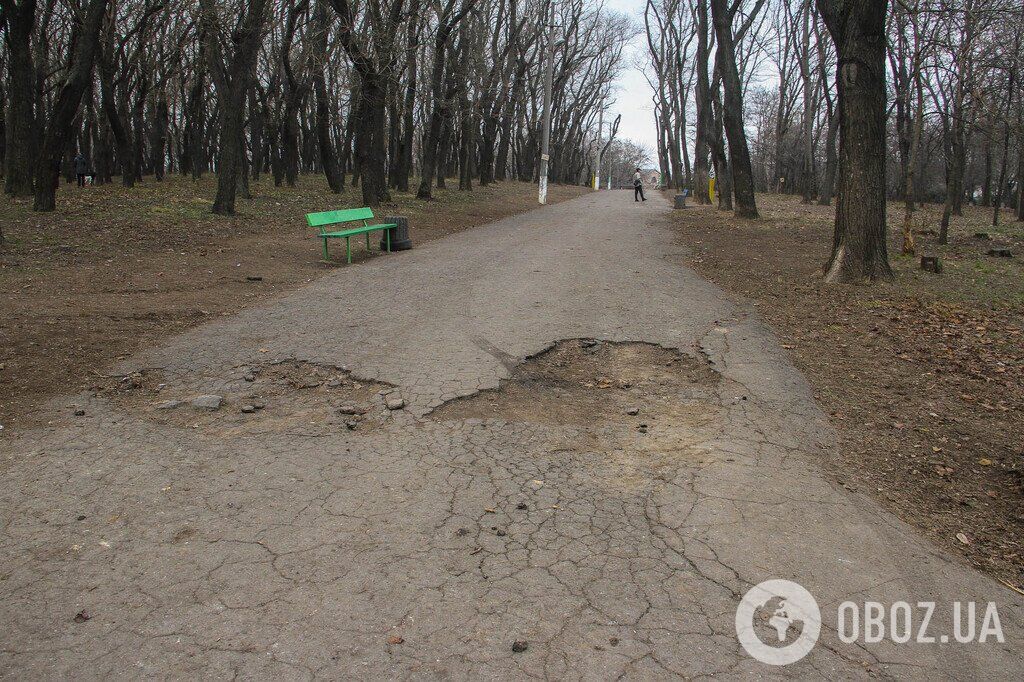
(441, 99)
(702, 99)
(404, 161)
(828, 180)
(732, 114)
(22, 127)
(159, 136)
(859, 249)
(59, 129)
(232, 82)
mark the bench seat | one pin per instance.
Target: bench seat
(359, 216)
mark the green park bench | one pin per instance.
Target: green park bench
(323, 221)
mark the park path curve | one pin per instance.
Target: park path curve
(301, 551)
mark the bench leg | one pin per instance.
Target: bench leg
(348, 250)
(327, 256)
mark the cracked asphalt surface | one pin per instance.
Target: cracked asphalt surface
(300, 553)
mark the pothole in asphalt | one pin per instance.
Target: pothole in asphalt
(628, 401)
(273, 396)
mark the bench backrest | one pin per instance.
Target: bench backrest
(334, 217)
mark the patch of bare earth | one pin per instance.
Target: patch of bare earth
(115, 269)
(277, 397)
(638, 406)
(923, 378)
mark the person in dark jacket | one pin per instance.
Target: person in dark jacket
(638, 186)
(81, 169)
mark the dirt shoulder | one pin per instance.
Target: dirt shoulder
(113, 270)
(923, 378)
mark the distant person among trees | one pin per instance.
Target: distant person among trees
(638, 186)
(81, 168)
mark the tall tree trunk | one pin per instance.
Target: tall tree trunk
(139, 128)
(432, 137)
(1020, 162)
(732, 113)
(121, 136)
(371, 143)
(954, 177)
(723, 173)
(232, 82)
(159, 136)
(432, 140)
(986, 182)
(859, 249)
(404, 160)
(913, 151)
(702, 99)
(59, 130)
(1011, 90)
(328, 157)
(22, 127)
(807, 170)
(196, 123)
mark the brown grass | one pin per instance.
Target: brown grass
(113, 269)
(923, 378)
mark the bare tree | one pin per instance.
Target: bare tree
(859, 248)
(231, 76)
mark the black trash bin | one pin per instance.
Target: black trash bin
(399, 234)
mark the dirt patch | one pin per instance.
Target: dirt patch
(290, 395)
(922, 378)
(113, 270)
(638, 404)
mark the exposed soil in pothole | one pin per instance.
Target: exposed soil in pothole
(271, 397)
(634, 402)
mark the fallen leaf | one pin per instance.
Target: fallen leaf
(984, 461)
(963, 539)
(395, 639)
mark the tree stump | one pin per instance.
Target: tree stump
(931, 264)
(399, 234)
(1000, 253)
(680, 201)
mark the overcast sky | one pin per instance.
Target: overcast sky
(633, 96)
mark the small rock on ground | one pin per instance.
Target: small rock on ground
(207, 402)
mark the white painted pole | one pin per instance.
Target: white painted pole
(545, 137)
(600, 139)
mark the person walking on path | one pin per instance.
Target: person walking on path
(81, 169)
(638, 187)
